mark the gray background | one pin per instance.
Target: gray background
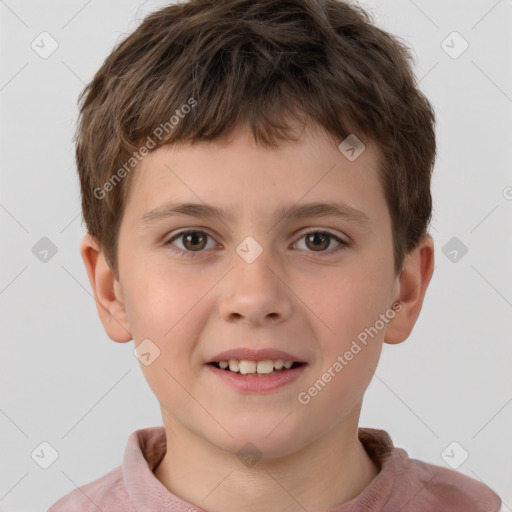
(65, 382)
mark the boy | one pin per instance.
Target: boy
(255, 180)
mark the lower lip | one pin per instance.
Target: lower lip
(253, 384)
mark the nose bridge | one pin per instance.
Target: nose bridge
(253, 290)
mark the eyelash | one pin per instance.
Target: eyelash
(190, 254)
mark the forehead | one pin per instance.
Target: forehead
(244, 177)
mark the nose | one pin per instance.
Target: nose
(255, 293)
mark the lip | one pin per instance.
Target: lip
(250, 354)
(254, 384)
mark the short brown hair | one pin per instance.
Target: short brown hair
(255, 63)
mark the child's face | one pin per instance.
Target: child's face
(299, 295)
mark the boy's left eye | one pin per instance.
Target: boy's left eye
(196, 240)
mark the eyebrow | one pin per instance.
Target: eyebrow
(201, 210)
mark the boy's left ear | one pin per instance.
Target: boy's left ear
(414, 279)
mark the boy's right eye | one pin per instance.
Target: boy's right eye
(193, 241)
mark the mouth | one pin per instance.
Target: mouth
(256, 377)
(250, 368)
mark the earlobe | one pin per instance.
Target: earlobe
(107, 291)
(413, 283)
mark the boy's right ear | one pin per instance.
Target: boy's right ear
(109, 299)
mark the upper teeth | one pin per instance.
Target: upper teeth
(244, 366)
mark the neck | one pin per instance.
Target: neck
(328, 472)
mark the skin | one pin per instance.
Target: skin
(312, 302)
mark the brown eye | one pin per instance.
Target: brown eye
(186, 243)
(194, 240)
(318, 240)
(321, 242)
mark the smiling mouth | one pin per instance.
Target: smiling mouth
(256, 368)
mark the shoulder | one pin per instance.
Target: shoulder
(112, 491)
(440, 488)
(412, 485)
(106, 493)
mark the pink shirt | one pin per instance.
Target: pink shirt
(404, 484)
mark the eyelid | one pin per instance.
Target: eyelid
(342, 237)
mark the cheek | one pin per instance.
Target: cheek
(348, 357)
(161, 303)
(351, 303)
(166, 310)
(352, 343)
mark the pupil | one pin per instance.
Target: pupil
(325, 237)
(193, 237)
